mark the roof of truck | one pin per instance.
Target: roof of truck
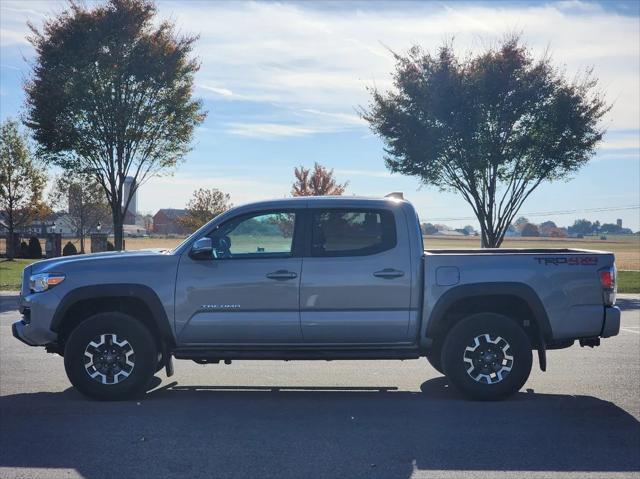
(323, 199)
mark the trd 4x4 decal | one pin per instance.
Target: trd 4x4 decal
(568, 260)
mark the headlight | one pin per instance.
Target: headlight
(42, 281)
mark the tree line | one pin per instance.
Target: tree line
(547, 229)
(84, 203)
(110, 96)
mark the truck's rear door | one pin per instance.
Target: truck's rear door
(356, 277)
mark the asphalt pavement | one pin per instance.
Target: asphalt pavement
(316, 419)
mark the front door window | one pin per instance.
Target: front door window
(268, 235)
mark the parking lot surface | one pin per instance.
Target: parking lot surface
(316, 419)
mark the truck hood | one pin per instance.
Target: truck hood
(61, 263)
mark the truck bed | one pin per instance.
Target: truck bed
(565, 280)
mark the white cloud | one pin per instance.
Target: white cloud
(14, 15)
(9, 67)
(268, 130)
(225, 92)
(307, 121)
(347, 119)
(12, 37)
(621, 142)
(310, 57)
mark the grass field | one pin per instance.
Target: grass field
(629, 282)
(626, 249)
(10, 272)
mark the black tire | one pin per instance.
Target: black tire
(434, 356)
(469, 350)
(160, 362)
(139, 348)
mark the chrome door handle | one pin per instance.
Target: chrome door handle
(388, 273)
(282, 275)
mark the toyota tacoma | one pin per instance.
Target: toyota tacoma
(320, 278)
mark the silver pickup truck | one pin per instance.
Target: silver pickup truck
(316, 278)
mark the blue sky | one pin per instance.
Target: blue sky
(282, 83)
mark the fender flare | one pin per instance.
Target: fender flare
(519, 290)
(117, 290)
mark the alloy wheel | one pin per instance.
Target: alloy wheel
(109, 359)
(488, 359)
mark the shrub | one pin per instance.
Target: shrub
(69, 249)
(35, 250)
(23, 251)
(558, 233)
(109, 246)
(530, 229)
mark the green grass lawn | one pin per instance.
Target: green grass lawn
(628, 281)
(10, 272)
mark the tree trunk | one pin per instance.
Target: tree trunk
(118, 220)
(10, 244)
(490, 238)
(483, 236)
(492, 226)
(81, 234)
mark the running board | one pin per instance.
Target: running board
(212, 355)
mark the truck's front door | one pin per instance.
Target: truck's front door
(356, 279)
(248, 291)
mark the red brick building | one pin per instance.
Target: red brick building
(165, 222)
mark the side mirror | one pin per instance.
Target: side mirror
(202, 249)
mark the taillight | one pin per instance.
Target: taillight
(608, 283)
(607, 279)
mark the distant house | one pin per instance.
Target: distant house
(53, 223)
(165, 222)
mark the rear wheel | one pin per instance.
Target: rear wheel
(487, 356)
(110, 356)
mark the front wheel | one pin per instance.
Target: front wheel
(487, 356)
(110, 356)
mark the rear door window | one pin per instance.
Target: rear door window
(346, 232)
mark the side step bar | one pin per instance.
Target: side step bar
(215, 355)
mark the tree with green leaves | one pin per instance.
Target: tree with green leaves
(491, 127)
(205, 205)
(530, 230)
(583, 227)
(319, 182)
(21, 183)
(110, 95)
(83, 198)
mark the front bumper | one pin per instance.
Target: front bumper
(611, 326)
(37, 311)
(17, 329)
